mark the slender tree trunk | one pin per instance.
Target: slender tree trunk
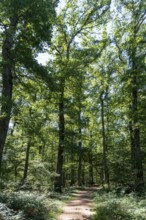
(72, 171)
(27, 160)
(136, 148)
(80, 151)
(58, 179)
(7, 84)
(105, 165)
(72, 181)
(80, 165)
(83, 174)
(16, 173)
(64, 179)
(131, 141)
(91, 178)
(27, 152)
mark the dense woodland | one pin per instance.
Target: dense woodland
(79, 118)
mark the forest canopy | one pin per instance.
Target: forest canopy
(79, 118)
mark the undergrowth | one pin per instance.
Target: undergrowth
(24, 205)
(110, 206)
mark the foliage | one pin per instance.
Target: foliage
(31, 206)
(7, 213)
(109, 205)
(88, 100)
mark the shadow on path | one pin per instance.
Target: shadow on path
(81, 207)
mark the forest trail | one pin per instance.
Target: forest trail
(81, 207)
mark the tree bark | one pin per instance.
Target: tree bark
(131, 140)
(26, 160)
(105, 165)
(91, 178)
(58, 178)
(7, 83)
(83, 174)
(72, 181)
(135, 146)
(80, 151)
(80, 165)
(72, 171)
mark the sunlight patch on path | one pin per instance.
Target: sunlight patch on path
(80, 208)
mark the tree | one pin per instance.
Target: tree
(26, 27)
(72, 22)
(130, 49)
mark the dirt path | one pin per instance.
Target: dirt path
(80, 208)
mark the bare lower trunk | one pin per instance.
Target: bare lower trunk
(72, 181)
(80, 165)
(83, 174)
(136, 153)
(91, 178)
(7, 84)
(136, 148)
(26, 161)
(80, 152)
(131, 141)
(105, 165)
(58, 178)
(72, 172)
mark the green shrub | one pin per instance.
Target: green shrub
(111, 211)
(113, 207)
(32, 207)
(2, 184)
(8, 214)
(24, 205)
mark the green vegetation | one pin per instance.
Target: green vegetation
(111, 205)
(24, 205)
(78, 119)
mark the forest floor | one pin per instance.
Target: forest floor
(80, 207)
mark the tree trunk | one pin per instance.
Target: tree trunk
(80, 165)
(105, 166)
(91, 179)
(131, 140)
(80, 152)
(83, 174)
(7, 84)
(64, 177)
(58, 178)
(16, 173)
(72, 181)
(26, 160)
(72, 172)
(136, 148)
